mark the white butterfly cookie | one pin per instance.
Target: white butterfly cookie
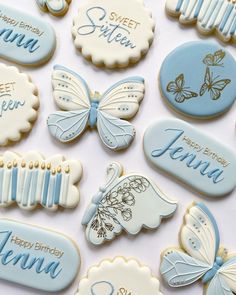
(55, 7)
(84, 109)
(127, 202)
(200, 256)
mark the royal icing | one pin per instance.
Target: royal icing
(25, 39)
(30, 180)
(210, 15)
(119, 276)
(18, 104)
(200, 256)
(191, 156)
(199, 79)
(55, 7)
(86, 109)
(108, 32)
(127, 202)
(36, 257)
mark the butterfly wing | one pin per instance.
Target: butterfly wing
(122, 99)
(185, 94)
(179, 269)
(214, 60)
(227, 273)
(70, 91)
(200, 235)
(218, 286)
(66, 126)
(115, 133)
(207, 82)
(177, 85)
(217, 87)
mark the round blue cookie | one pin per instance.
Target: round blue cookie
(199, 79)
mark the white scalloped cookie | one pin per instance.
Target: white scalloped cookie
(119, 276)
(113, 33)
(18, 104)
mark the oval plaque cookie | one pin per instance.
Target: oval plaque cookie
(191, 156)
(18, 104)
(198, 79)
(25, 39)
(113, 33)
(119, 276)
(37, 257)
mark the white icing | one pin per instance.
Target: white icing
(18, 104)
(123, 275)
(135, 20)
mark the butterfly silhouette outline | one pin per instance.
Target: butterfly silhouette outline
(81, 108)
(215, 59)
(200, 256)
(211, 85)
(179, 90)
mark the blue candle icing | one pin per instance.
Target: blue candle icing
(36, 257)
(191, 156)
(24, 39)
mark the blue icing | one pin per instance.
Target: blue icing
(191, 156)
(36, 257)
(93, 114)
(192, 93)
(23, 38)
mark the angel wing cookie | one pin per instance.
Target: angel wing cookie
(82, 109)
(127, 202)
(200, 256)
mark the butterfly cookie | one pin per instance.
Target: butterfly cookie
(55, 7)
(200, 256)
(82, 109)
(126, 202)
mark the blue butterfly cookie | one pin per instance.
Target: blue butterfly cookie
(198, 79)
(201, 256)
(82, 109)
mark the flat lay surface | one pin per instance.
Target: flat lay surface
(95, 157)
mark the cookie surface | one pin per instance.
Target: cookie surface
(55, 7)
(18, 105)
(31, 180)
(113, 33)
(210, 15)
(191, 156)
(119, 276)
(198, 79)
(127, 202)
(25, 39)
(36, 257)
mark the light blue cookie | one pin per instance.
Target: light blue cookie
(191, 156)
(25, 39)
(199, 79)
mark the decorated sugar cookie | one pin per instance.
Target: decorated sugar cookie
(198, 79)
(82, 109)
(210, 15)
(127, 202)
(55, 7)
(18, 104)
(36, 257)
(113, 33)
(191, 156)
(30, 180)
(25, 39)
(119, 276)
(200, 256)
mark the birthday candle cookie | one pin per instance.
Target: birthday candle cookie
(191, 156)
(31, 180)
(83, 109)
(25, 39)
(18, 105)
(113, 33)
(210, 15)
(198, 79)
(200, 256)
(119, 276)
(55, 7)
(127, 202)
(36, 257)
